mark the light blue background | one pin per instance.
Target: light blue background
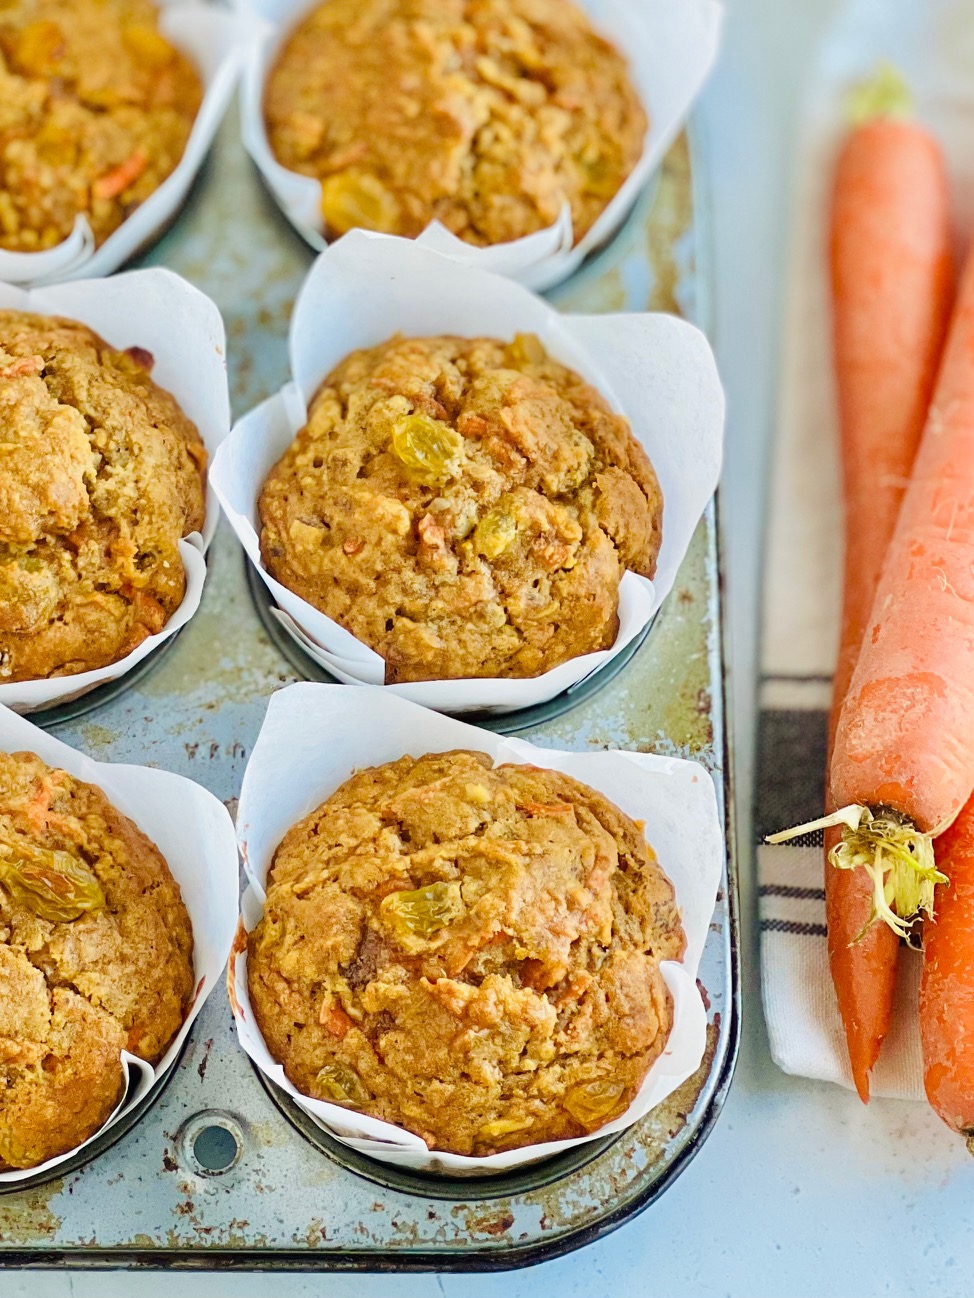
(800, 1192)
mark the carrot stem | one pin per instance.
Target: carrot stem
(883, 95)
(900, 862)
(896, 856)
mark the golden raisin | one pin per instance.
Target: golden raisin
(525, 349)
(427, 447)
(54, 885)
(340, 1084)
(148, 48)
(501, 1127)
(38, 48)
(355, 199)
(134, 360)
(495, 532)
(600, 177)
(590, 1103)
(104, 96)
(415, 916)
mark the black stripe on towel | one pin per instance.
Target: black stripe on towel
(814, 677)
(793, 926)
(789, 890)
(790, 777)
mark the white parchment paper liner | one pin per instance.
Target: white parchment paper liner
(183, 330)
(656, 369)
(670, 47)
(215, 40)
(315, 736)
(193, 831)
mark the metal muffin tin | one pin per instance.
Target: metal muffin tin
(71, 709)
(217, 1167)
(506, 723)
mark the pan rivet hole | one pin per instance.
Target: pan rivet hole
(213, 1141)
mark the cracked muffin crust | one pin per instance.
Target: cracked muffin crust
(486, 115)
(463, 506)
(100, 475)
(96, 957)
(469, 952)
(96, 107)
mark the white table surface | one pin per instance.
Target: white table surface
(800, 1192)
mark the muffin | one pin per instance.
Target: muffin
(469, 952)
(96, 957)
(96, 107)
(463, 506)
(489, 116)
(102, 473)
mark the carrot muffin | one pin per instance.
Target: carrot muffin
(96, 107)
(469, 952)
(96, 957)
(101, 473)
(464, 506)
(487, 115)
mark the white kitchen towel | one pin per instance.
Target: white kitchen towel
(932, 43)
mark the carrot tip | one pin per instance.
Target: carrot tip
(862, 1087)
(885, 95)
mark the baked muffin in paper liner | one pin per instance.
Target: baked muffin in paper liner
(656, 370)
(156, 312)
(197, 845)
(315, 736)
(670, 49)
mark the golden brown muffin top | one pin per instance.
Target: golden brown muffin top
(96, 956)
(469, 952)
(96, 107)
(486, 115)
(101, 474)
(464, 506)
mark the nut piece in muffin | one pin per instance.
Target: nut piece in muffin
(469, 952)
(96, 957)
(96, 107)
(490, 116)
(101, 473)
(464, 507)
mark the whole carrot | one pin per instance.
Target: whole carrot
(904, 746)
(891, 280)
(947, 984)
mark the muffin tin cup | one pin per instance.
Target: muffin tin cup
(138, 308)
(215, 40)
(197, 844)
(312, 740)
(656, 370)
(99, 696)
(670, 49)
(503, 723)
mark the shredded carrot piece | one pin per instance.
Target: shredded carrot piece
(22, 367)
(119, 178)
(546, 808)
(334, 1020)
(39, 805)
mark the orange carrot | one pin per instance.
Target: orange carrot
(904, 744)
(947, 985)
(891, 276)
(113, 182)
